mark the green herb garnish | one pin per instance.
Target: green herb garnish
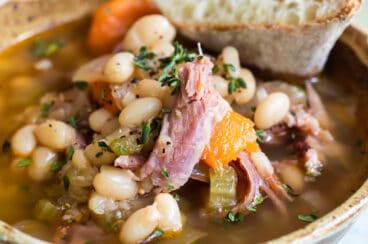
(307, 217)
(43, 48)
(81, 85)
(141, 59)
(158, 232)
(24, 163)
(169, 74)
(45, 110)
(71, 121)
(103, 145)
(69, 152)
(164, 173)
(99, 154)
(309, 174)
(259, 200)
(289, 190)
(166, 110)
(215, 69)
(122, 150)
(169, 187)
(234, 218)
(235, 84)
(66, 182)
(146, 130)
(229, 68)
(57, 165)
(260, 133)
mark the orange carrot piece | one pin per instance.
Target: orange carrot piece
(101, 93)
(113, 19)
(232, 135)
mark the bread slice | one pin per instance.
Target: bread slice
(283, 36)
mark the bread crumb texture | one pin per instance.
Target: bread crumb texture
(257, 12)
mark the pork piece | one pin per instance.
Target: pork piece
(132, 162)
(253, 180)
(187, 129)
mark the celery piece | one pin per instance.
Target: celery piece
(222, 187)
(126, 145)
(47, 211)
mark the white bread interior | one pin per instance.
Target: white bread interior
(282, 36)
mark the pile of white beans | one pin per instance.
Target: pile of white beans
(142, 102)
(41, 143)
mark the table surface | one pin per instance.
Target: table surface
(358, 234)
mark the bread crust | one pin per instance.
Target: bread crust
(300, 50)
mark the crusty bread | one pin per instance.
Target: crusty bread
(283, 36)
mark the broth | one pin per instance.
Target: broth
(22, 85)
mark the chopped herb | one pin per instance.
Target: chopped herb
(228, 68)
(158, 232)
(170, 187)
(146, 130)
(99, 154)
(166, 110)
(57, 165)
(81, 85)
(42, 48)
(307, 217)
(260, 133)
(235, 84)
(169, 74)
(6, 146)
(103, 145)
(45, 110)
(290, 190)
(122, 150)
(66, 182)
(70, 152)
(215, 69)
(234, 218)
(71, 120)
(141, 59)
(310, 174)
(24, 163)
(165, 173)
(259, 200)
(176, 196)
(251, 209)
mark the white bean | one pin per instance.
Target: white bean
(139, 111)
(92, 71)
(23, 141)
(151, 88)
(148, 31)
(292, 175)
(55, 134)
(98, 156)
(163, 49)
(40, 167)
(230, 55)
(119, 68)
(100, 205)
(139, 225)
(115, 183)
(170, 219)
(98, 118)
(271, 110)
(110, 126)
(79, 160)
(220, 84)
(244, 95)
(128, 98)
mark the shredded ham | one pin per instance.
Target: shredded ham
(187, 129)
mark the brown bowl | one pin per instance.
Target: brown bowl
(347, 63)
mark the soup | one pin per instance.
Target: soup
(71, 201)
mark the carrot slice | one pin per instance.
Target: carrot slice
(232, 135)
(112, 20)
(101, 93)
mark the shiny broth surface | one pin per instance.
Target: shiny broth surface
(21, 85)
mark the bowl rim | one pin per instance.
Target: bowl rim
(344, 214)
